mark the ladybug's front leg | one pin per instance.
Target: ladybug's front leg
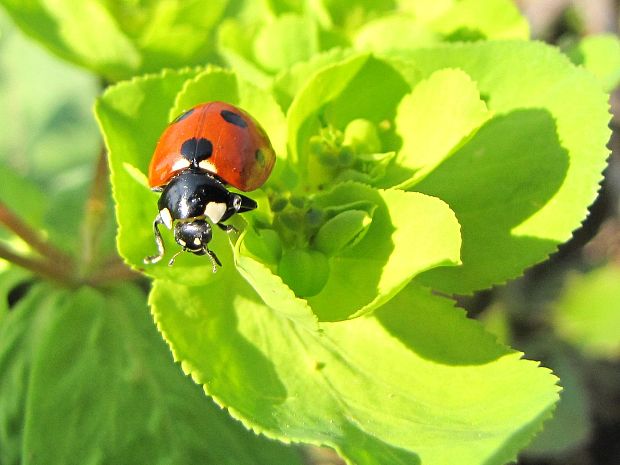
(227, 227)
(158, 241)
(236, 203)
(243, 203)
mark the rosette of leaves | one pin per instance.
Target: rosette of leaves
(118, 39)
(398, 181)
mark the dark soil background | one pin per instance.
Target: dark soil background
(598, 241)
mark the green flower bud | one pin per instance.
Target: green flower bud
(315, 217)
(342, 231)
(279, 204)
(362, 135)
(304, 271)
(346, 157)
(316, 145)
(298, 201)
(264, 244)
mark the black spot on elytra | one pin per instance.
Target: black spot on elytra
(233, 118)
(196, 150)
(182, 116)
(260, 157)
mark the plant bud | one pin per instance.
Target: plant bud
(264, 244)
(362, 135)
(305, 271)
(342, 231)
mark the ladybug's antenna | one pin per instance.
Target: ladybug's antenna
(171, 262)
(158, 241)
(214, 260)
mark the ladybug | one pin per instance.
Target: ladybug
(199, 154)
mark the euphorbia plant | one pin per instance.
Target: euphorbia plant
(446, 169)
(410, 168)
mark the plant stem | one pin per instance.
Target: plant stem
(114, 272)
(32, 237)
(58, 272)
(94, 212)
(92, 225)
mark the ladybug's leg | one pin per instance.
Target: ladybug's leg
(245, 203)
(236, 203)
(158, 241)
(227, 227)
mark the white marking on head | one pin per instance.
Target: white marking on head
(166, 217)
(180, 164)
(208, 166)
(182, 242)
(215, 211)
(196, 241)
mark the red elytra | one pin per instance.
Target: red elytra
(218, 138)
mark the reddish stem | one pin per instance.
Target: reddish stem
(94, 211)
(57, 272)
(32, 237)
(115, 272)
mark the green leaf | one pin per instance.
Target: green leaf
(395, 388)
(289, 81)
(258, 39)
(234, 42)
(440, 112)
(599, 54)
(273, 291)
(56, 214)
(376, 263)
(571, 426)
(587, 316)
(84, 33)
(343, 230)
(100, 387)
(352, 14)
(496, 321)
(119, 39)
(288, 39)
(305, 271)
(470, 19)
(10, 279)
(20, 337)
(394, 32)
(210, 84)
(49, 135)
(21, 194)
(409, 233)
(523, 182)
(265, 244)
(325, 86)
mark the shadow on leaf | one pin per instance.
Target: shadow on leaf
(431, 327)
(507, 172)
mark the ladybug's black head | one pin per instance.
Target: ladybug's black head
(193, 236)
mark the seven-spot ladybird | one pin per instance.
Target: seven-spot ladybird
(203, 150)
